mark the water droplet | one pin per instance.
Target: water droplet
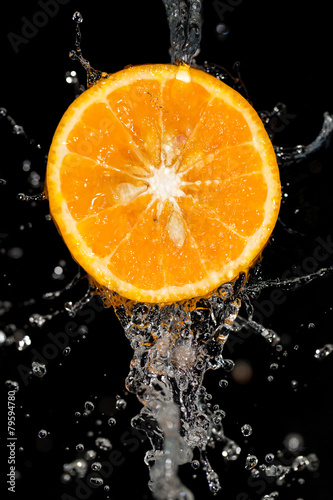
(78, 467)
(15, 253)
(323, 352)
(274, 366)
(26, 165)
(222, 31)
(66, 351)
(79, 447)
(294, 384)
(3, 337)
(12, 385)
(228, 365)
(293, 442)
(38, 369)
(89, 406)
(23, 342)
(83, 330)
(271, 496)
(77, 17)
(195, 464)
(270, 378)
(96, 466)
(121, 404)
(112, 421)
(311, 325)
(57, 272)
(37, 320)
(18, 130)
(96, 481)
(299, 463)
(223, 383)
(90, 454)
(213, 481)
(103, 443)
(313, 462)
(3, 112)
(231, 451)
(269, 458)
(42, 434)
(246, 430)
(65, 478)
(251, 462)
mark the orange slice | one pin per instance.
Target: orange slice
(163, 183)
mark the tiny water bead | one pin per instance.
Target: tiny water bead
(251, 462)
(42, 434)
(120, 404)
(79, 447)
(77, 467)
(228, 365)
(195, 464)
(96, 481)
(112, 421)
(96, 466)
(231, 451)
(103, 443)
(15, 252)
(324, 351)
(294, 384)
(223, 383)
(38, 369)
(294, 442)
(271, 496)
(12, 385)
(89, 406)
(246, 430)
(269, 457)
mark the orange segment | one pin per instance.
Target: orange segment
(182, 107)
(163, 183)
(104, 232)
(138, 107)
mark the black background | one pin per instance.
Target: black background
(285, 56)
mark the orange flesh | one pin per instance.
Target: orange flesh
(163, 183)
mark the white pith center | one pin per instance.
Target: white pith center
(165, 183)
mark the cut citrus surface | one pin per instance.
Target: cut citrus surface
(163, 183)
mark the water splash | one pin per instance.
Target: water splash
(174, 345)
(93, 75)
(196, 331)
(184, 18)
